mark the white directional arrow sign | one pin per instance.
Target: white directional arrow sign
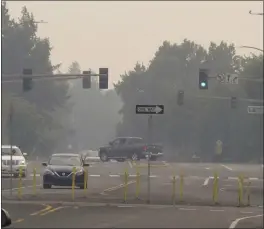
(149, 109)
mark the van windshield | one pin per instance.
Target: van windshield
(15, 151)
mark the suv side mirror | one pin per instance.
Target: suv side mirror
(5, 218)
(44, 163)
(25, 154)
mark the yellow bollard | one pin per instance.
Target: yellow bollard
(19, 191)
(181, 186)
(125, 186)
(34, 182)
(73, 182)
(173, 189)
(215, 188)
(240, 190)
(248, 193)
(85, 181)
(137, 182)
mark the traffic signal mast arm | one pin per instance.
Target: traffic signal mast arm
(47, 76)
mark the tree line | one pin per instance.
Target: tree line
(54, 115)
(206, 115)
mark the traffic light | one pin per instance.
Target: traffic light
(233, 102)
(180, 97)
(27, 79)
(103, 78)
(86, 80)
(203, 79)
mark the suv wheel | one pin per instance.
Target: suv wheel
(82, 186)
(103, 157)
(134, 157)
(46, 186)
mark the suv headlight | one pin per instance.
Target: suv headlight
(48, 172)
(80, 172)
(22, 162)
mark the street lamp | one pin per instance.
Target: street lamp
(250, 47)
(260, 14)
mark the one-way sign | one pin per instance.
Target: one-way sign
(149, 109)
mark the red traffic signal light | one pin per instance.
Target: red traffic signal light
(27, 79)
(86, 80)
(103, 78)
(180, 97)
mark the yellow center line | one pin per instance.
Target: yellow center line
(52, 210)
(19, 220)
(48, 207)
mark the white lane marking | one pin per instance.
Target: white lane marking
(253, 178)
(235, 222)
(232, 178)
(246, 212)
(206, 181)
(30, 186)
(131, 166)
(216, 210)
(114, 175)
(152, 176)
(91, 175)
(125, 206)
(37, 175)
(132, 175)
(228, 168)
(207, 168)
(187, 209)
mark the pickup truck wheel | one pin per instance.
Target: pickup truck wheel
(134, 157)
(103, 157)
(120, 160)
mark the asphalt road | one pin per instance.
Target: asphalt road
(74, 215)
(106, 184)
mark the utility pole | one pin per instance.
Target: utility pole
(11, 146)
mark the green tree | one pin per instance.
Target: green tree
(22, 48)
(200, 122)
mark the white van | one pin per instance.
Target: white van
(18, 161)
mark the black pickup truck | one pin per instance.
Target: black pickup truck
(133, 148)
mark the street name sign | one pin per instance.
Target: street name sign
(149, 109)
(255, 109)
(228, 78)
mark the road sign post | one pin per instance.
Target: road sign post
(149, 142)
(150, 110)
(256, 110)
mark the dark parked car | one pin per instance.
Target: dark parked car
(59, 170)
(5, 218)
(134, 148)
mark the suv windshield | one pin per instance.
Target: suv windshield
(15, 151)
(65, 160)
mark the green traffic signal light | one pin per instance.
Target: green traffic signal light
(203, 84)
(203, 79)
